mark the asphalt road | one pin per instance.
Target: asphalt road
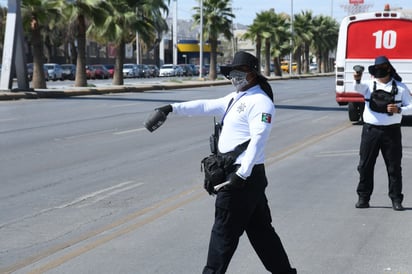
(85, 188)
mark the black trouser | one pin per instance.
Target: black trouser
(387, 139)
(245, 210)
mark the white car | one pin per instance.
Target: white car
(313, 67)
(130, 70)
(55, 71)
(168, 70)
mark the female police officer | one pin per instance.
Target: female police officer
(242, 204)
(381, 129)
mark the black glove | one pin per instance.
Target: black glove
(165, 109)
(235, 183)
(157, 117)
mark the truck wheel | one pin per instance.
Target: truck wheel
(354, 112)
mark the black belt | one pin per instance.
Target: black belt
(383, 126)
(257, 165)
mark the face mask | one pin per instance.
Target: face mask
(238, 79)
(381, 72)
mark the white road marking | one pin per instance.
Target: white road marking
(128, 131)
(122, 186)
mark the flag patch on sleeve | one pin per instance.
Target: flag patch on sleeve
(267, 118)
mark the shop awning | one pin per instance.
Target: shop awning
(192, 48)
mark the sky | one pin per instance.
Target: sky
(246, 10)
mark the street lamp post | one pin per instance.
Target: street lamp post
(175, 33)
(201, 41)
(291, 37)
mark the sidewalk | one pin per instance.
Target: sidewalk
(78, 91)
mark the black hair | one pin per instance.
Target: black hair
(264, 85)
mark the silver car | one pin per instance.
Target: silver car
(55, 71)
(130, 70)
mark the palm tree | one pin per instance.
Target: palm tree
(327, 30)
(303, 35)
(156, 12)
(123, 19)
(264, 22)
(217, 20)
(253, 33)
(78, 12)
(3, 18)
(280, 40)
(38, 17)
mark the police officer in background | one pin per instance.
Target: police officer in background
(242, 204)
(382, 129)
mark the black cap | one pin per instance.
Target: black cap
(241, 58)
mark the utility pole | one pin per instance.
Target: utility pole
(175, 33)
(291, 37)
(13, 51)
(201, 42)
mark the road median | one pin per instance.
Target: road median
(69, 91)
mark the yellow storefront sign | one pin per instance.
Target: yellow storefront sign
(192, 48)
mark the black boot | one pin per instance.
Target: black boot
(362, 203)
(397, 205)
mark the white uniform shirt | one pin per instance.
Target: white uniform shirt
(383, 119)
(250, 116)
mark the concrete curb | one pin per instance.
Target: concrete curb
(74, 91)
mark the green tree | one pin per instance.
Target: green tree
(39, 16)
(264, 21)
(78, 13)
(325, 40)
(274, 28)
(280, 40)
(303, 35)
(253, 33)
(217, 21)
(123, 19)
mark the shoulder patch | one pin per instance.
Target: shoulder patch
(266, 118)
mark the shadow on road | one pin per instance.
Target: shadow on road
(312, 108)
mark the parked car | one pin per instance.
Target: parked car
(130, 70)
(143, 71)
(179, 71)
(313, 67)
(110, 68)
(167, 70)
(285, 66)
(69, 71)
(90, 74)
(194, 69)
(55, 71)
(205, 71)
(100, 72)
(154, 71)
(30, 72)
(187, 69)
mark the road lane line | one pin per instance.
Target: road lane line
(109, 237)
(74, 202)
(128, 218)
(129, 131)
(96, 199)
(94, 194)
(84, 135)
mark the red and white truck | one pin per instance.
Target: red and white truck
(363, 37)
